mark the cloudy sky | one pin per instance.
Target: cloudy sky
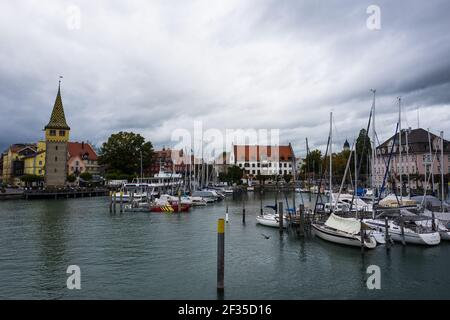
(154, 66)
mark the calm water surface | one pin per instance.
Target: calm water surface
(173, 256)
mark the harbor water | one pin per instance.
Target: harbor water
(173, 256)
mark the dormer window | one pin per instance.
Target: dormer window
(53, 132)
(62, 133)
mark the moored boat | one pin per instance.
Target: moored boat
(271, 220)
(412, 233)
(346, 231)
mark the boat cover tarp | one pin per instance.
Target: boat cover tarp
(393, 201)
(348, 225)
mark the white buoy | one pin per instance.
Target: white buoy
(226, 217)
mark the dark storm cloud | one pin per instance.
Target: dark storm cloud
(154, 67)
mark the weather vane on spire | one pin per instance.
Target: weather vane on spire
(60, 77)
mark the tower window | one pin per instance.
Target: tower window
(56, 159)
(53, 132)
(62, 133)
(56, 147)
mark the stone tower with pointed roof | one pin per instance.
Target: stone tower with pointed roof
(56, 140)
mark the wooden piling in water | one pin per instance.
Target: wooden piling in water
(362, 234)
(402, 228)
(110, 201)
(243, 210)
(179, 201)
(121, 201)
(115, 200)
(433, 223)
(260, 201)
(280, 216)
(220, 255)
(386, 233)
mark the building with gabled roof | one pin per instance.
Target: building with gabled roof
(416, 159)
(82, 158)
(263, 160)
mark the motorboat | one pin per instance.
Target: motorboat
(345, 231)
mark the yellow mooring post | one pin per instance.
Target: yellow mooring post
(220, 254)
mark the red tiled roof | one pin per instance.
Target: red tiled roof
(254, 153)
(80, 149)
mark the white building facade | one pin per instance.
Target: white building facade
(263, 160)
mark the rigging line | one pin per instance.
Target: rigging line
(428, 180)
(366, 137)
(388, 164)
(343, 178)
(322, 175)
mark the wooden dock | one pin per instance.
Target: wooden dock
(64, 194)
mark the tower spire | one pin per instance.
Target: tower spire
(58, 118)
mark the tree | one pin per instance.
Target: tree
(262, 179)
(287, 177)
(29, 179)
(86, 176)
(223, 177)
(71, 178)
(363, 151)
(312, 161)
(235, 174)
(121, 153)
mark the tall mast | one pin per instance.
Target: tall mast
(356, 182)
(400, 146)
(373, 148)
(442, 171)
(431, 163)
(407, 162)
(331, 154)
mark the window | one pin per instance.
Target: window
(40, 163)
(253, 165)
(56, 159)
(62, 133)
(55, 170)
(53, 132)
(56, 147)
(77, 163)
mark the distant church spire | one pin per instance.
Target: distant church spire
(58, 118)
(346, 145)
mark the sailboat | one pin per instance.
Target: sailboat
(412, 233)
(271, 219)
(346, 231)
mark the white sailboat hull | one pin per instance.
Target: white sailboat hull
(342, 238)
(427, 238)
(270, 220)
